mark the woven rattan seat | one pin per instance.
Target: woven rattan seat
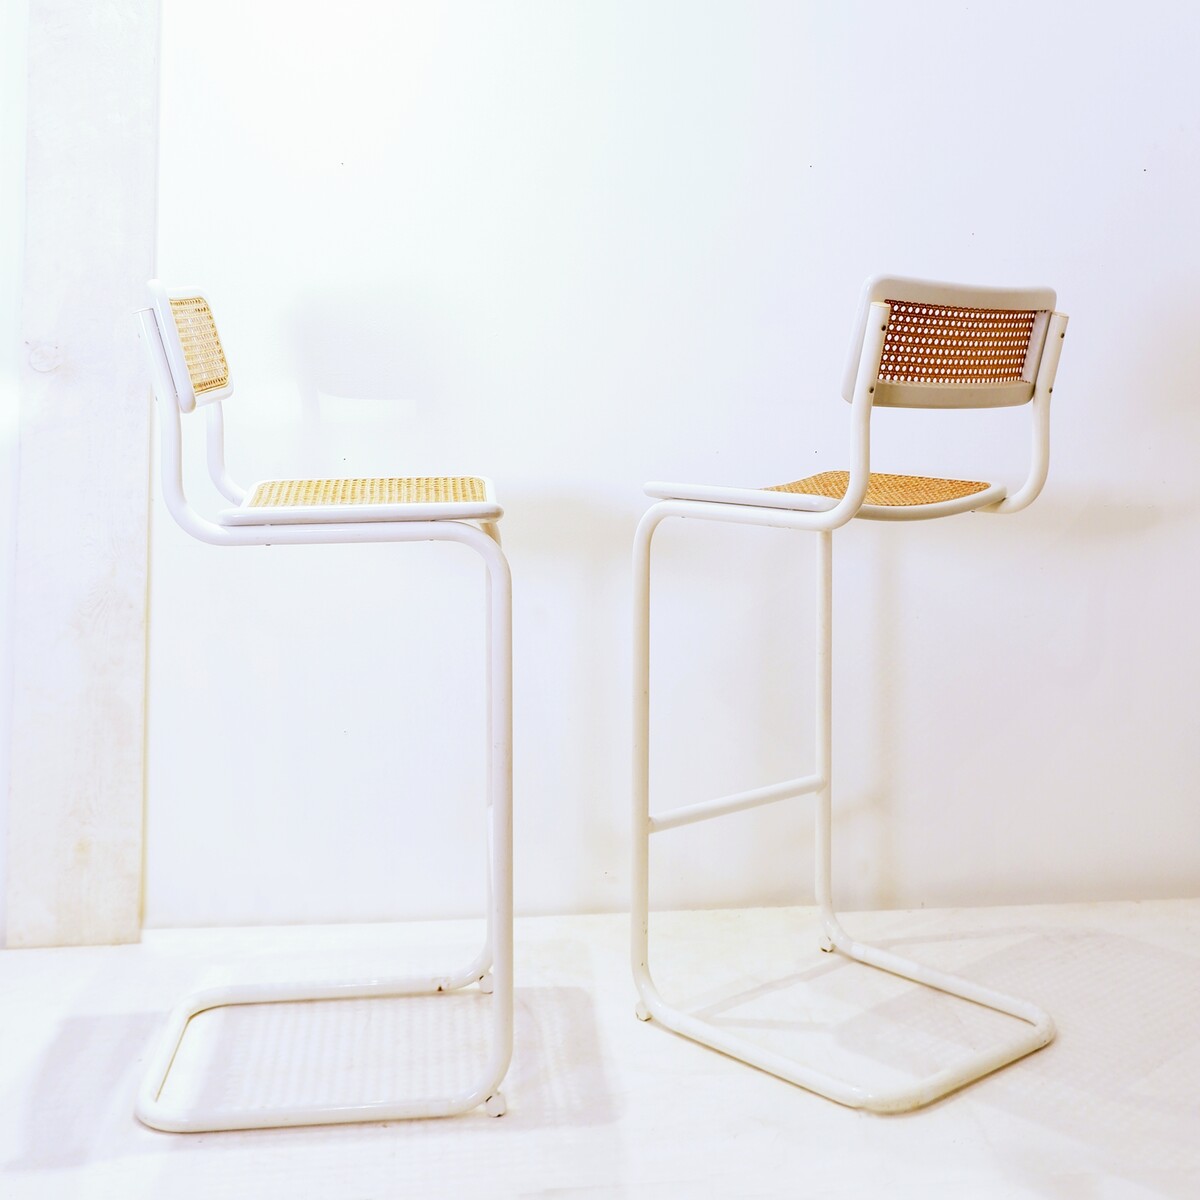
(388, 498)
(888, 491)
(434, 489)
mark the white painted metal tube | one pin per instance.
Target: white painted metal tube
(878, 316)
(484, 961)
(893, 1099)
(499, 795)
(639, 908)
(943, 981)
(215, 454)
(737, 802)
(824, 738)
(151, 1111)
(1039, 462)
(744, 514)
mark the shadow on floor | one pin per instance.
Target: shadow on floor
(68, 1117)
(1119, 1079)
(80, 1109)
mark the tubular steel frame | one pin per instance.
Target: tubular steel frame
(727, 505)
(492, 967)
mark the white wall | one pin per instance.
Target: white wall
(77, 763)
(13, 26)
(577, 246)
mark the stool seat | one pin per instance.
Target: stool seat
(899, 492)
(888, 498)
(889, 490)
(389, 498)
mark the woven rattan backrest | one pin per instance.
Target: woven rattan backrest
(195, 357)
(933, 343)
(201, 344)
(949, 346)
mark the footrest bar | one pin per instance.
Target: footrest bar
(691, 813)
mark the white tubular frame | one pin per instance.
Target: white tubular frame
(1039, 1030)
(1039, 464)
(491, 968)
(215, 446)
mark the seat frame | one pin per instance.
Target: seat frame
(772, 509)
(490, 968)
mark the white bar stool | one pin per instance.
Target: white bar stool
(916, 344)
(190, 369)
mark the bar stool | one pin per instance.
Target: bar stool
(916, 344)
(190, 370)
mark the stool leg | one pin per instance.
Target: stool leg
(479, 970)
(824, 708)
(824, 738)
(649, 999)
(500, 823)
(485, 959)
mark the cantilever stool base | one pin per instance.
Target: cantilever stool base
(904, 1098)
(916, 344)
(857, 1095)
(1038, 1028)
(151, 1110)
(189, 368)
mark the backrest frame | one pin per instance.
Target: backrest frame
(965, 342)
(865, 390)
(168, 364)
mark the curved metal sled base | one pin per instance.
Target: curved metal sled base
(901, 1098)
(151, 1110)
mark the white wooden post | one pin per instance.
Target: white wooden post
(79, 592)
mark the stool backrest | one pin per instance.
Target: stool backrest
(953, 346)
(195, 357)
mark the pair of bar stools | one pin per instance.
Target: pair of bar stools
(915, 345)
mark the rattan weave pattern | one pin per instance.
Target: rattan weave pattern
(888, 491)
(202, 350)
(930, 343)
(435, 489)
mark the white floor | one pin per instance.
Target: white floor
(601, 1105)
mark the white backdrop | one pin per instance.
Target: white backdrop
(576, 246)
